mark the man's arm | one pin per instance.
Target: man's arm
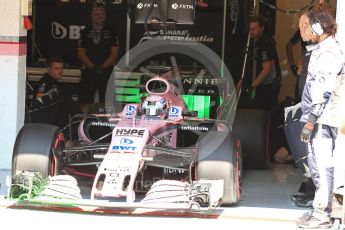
(40, 88)
(290, 57)
(266, 68)
(289, 51)
(114, 54)
(84, 58)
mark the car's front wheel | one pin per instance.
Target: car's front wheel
(219, 157)
(37, 148)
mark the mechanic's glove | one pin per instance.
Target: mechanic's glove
(308, 128)
(294, 69)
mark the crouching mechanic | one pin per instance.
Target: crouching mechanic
(326, 62)
(51, 104)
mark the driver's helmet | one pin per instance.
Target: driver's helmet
(154, 105)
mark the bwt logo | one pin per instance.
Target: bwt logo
(60, 32)
(130, 148)
(126, 141)
(131, 108)
(174, 111)
(176, 6)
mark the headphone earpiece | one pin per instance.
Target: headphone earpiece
(316, 27)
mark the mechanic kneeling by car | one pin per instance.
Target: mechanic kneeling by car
(51, 104)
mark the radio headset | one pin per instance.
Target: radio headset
(316, 26)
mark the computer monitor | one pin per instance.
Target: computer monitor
(173, 11)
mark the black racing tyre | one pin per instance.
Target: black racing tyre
(219, 157)
(37, 148)
(252, 127)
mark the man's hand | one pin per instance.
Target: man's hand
(308, 128)
(306, 132)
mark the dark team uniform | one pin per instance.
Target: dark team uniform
(51, 104)
(45, 84)
(267, 92)
(98, 48)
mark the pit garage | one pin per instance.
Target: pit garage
(46, 28)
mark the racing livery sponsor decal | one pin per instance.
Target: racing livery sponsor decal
(129, 132)
(174, 112)
(205, 85)
(129, 139)
(186, 79)
(102, 124)
(194, 128)
(163, 102)
(125, 145)
(130, 111)
(126, 141)
(166, 138)
(121, 148)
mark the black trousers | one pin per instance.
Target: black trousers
(266, 97)
(92, 81)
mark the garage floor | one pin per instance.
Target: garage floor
(266, 195)
(271, 188)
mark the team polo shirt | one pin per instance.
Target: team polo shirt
(98, 43)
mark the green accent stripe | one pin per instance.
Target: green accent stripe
(134, 91)
(198, 103)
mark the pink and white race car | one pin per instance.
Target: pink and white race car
(155, 151)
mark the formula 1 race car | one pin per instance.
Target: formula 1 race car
(158, 148)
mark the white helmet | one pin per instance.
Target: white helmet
(154, 105)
